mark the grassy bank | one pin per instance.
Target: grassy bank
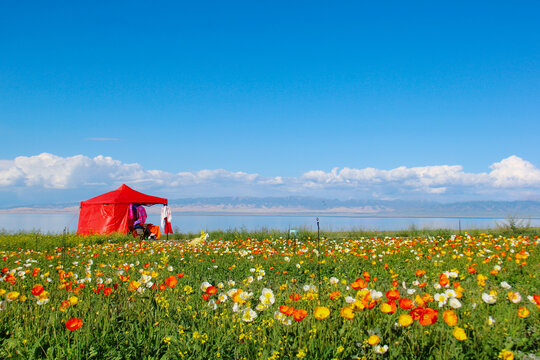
(36, 240)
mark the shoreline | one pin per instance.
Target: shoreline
(266, 212)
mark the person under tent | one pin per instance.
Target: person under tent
(141, 230)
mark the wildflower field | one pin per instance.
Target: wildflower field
(263, 296)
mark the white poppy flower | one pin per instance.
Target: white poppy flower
(489, 299)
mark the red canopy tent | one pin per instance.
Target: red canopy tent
(109, 212)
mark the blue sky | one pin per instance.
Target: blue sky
(275, 89)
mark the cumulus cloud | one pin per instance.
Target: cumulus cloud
(513, 172)
(426, 176)
(55, 172)
(512, 177)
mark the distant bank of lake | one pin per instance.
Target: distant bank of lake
(55, 223)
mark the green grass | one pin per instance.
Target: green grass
(178, 323)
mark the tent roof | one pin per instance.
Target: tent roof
(124, 195)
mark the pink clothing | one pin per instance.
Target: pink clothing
(141, 216)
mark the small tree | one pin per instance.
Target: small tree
(514, 224)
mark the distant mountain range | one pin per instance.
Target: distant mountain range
(309, 205)
(297, 205)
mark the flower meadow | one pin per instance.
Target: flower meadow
(269, 297)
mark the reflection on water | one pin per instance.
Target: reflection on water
(55, 223)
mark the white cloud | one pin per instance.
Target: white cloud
(514, 172)
(427, 176)
(512, 177)
(55, 172)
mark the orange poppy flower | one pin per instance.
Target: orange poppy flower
(406, 304)
(523, 312)
(359, 284)
(450, 318)
(64, 305)
(133, 285)
(416, 313)
(295, 297)
(299, 314)
(392, 295)
(286, 310)
(429, 317)
(443, 280)
(290, 311)
(335, 295)
(374, 340)
(420, 272)
(171, 281)
(73, 324)
(107, 291)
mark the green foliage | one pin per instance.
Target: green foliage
(176, 322)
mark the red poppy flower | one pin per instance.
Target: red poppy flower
(37, 290)
(211, 290)
(416, 313)
(73, 324)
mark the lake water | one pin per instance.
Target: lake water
(55, 223)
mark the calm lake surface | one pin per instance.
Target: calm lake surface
(55, 223)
